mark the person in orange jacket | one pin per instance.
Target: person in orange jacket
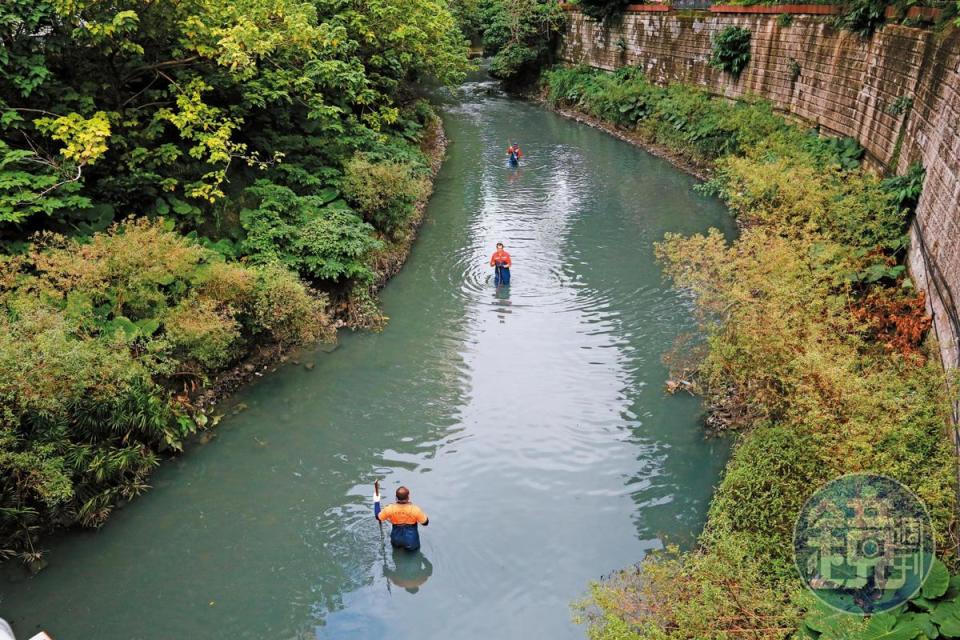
(404, 516)
(514, 154)
(501, 262)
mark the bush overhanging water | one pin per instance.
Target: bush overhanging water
(267, 149)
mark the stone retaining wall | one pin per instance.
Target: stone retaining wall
(848, 86)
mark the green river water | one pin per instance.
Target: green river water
(530, 424)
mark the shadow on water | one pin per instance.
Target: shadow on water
(529, 422)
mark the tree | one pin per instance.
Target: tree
(521, 35)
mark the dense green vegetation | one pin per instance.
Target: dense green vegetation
(932, 613)
(178, 182)
(813, 353)
(98, 340)
(521, 35)
(730, 50)
(603, 9)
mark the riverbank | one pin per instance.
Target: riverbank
(817, 351)
(352, 310)
(117, 348)
(701, 171)
(359, 310)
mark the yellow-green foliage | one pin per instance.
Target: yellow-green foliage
(383, 192)
(195, 327)
(95, 340)
(793, 361)
(719, 594)
(852, 208)
(200, 94)
(285, 310)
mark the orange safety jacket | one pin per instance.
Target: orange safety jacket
(403, 513)
(511, 150)
(501, 259)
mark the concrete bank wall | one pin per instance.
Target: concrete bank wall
(848, 86)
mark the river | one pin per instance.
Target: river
(530, 423)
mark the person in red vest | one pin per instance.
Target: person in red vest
(500, 261)
(514, 153)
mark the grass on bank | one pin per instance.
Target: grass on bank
(814, 353)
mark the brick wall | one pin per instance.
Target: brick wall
(846, 85)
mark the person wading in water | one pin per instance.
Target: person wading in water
(404, 516)
(500, 260)
(514, 154)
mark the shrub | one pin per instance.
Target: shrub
(720, 592)
(794, 68)
(383, 192)
(521, 35)
(763, 490)
(200, 333)
(229, 283)
(683, 118)
(899, 106)
(316, 235)
(133, 270)
(88, 332)
(603, 9)
(731, 50)
(335, 244)
(284, 309)
(862, 17)
(80, 424)
(854, 209)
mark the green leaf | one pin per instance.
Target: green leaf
(946, 615)
(937, 581)
(923, 603)
(885, 626)
(122, 323)
(920, 620)
(953, 590)
(327, 194)
(826, 620)
(950, 628)
(148, 326)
